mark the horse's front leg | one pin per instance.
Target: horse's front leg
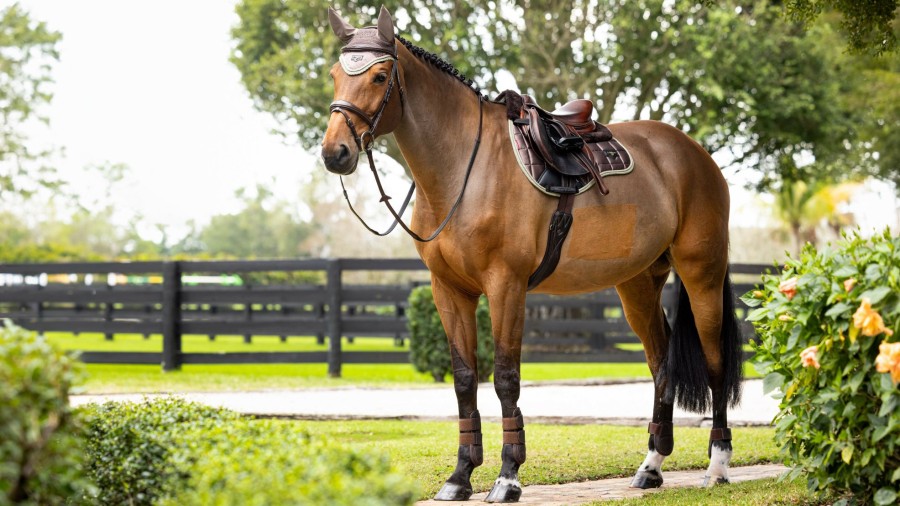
(507, 305)
(457, 312)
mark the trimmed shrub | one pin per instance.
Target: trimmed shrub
(40, 454)
(172, 452)
(828, 327)
(130, 447)
(268, 462)
(429, 351)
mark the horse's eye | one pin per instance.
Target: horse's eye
(380, 78)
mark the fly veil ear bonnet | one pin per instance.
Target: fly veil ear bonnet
(364, 47)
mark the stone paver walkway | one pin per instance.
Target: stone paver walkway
(617, 488)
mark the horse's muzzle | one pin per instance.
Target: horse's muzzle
(339, 159)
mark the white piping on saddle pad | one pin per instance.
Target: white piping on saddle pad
(512, 139)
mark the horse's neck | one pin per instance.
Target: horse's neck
(437, 133)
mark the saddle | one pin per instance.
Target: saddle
(563, 153)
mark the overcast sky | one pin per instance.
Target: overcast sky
(148, 84)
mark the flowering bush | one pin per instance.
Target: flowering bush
(827, 340)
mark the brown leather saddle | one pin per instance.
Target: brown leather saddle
(563, 153)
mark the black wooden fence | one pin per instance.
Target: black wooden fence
(558, 329)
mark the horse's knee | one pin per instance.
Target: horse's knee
(465, 381)
(506, 383)
(465, 377)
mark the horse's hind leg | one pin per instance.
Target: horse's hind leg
(643, 309)
(706, 314)
(457, 312)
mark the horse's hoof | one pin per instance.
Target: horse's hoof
(709, 481)
(505, 490)
(647, 479)
(453, 492)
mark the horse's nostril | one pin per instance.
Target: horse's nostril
(343, 152)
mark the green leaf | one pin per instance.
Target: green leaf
(876, 294)
(794, 337)
(888, 405)
(885, 496)
(879, 433)
(757, 314)
(847, 454)
(750, 300)
(844, 271)
(856, 381)
(838, 309)
(896, 475)
(772, 381)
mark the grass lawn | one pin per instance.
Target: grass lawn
(426, 451)
(108, 378)
(225, 343)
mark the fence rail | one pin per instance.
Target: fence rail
(588, 328)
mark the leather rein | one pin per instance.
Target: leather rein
(366, 141)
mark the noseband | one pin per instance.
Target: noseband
(366, 140)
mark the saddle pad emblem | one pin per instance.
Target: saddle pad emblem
(614, 159)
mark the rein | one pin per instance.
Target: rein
(367, 140)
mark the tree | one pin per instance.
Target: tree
(738, 76)
(802, 207)
(869, 25)
(27, 51)
(264, 228)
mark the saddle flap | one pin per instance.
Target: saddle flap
(546, 135)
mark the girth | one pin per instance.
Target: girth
(563, 153)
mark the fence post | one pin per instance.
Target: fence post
(334, 317)
(171, 316)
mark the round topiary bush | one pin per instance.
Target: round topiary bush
(828, 340)
(40, 449)
(429, 350)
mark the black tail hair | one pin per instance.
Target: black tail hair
(685, 367)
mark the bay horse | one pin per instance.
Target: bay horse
(490, 233)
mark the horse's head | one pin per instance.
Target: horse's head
(368, 97)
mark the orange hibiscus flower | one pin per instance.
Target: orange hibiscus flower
(789, 287)
(810, 357)
(868, 321)
(888, 360)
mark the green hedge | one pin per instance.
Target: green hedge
(40, 449)
(172, 452)
(429, 351)
(829, 326)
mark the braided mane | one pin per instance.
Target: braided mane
(440, 64)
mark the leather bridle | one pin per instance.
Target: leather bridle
(366, 141)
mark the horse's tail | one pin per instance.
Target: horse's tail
(685, 368)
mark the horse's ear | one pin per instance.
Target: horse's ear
(385, 25)
(341, 28)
